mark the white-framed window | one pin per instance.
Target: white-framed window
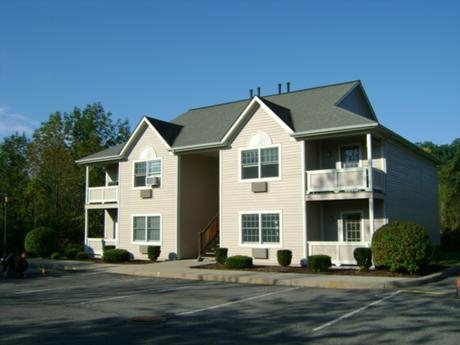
(147, 173)
(260, 163)
(260, 228)
(352, 226)
(350, 156)
(146, 228)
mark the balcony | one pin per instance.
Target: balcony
(102, 195)
(350, 180)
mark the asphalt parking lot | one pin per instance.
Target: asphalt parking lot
(102, 308)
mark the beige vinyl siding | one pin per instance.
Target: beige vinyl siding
(163, 202)
(412, 189)
(199, 198)
(284, 195)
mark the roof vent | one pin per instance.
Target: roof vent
(288, 87)
(251, 93)
(258, 91)
(279, 88)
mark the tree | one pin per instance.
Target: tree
(449, 189)
(57, 182)
(14, 179)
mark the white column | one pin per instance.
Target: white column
(371, 184)
(86, 202)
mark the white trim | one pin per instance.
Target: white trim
(342, 230)
(304, 203)
(260, 244)
(247, 111)
(146, 242)
(133, 172)
(221, 153)
(260, 179)
(333, 130)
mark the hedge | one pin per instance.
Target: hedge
(284, 257)
(115, 255)
(363, 257)
(221, 255)
(153, 252)
(238, 261)
(319, 263)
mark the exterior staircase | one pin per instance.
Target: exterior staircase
(208, 239)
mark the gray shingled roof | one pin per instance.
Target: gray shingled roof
(104, 155)
(310, 110)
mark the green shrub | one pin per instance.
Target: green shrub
(153, 252)
(363, 257)
(82, 256)
(284, 257)
(238, 261)
(55, 256)
(115, 255)
(401, 247)
(71, 250)
(104, 248)
(319, 263)
(41, 241)
(221, 255)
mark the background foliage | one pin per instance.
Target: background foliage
(44, 185)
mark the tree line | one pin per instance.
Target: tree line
(46, 188)
(448, 156)
(39, 175)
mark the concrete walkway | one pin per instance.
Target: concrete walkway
(181, 269)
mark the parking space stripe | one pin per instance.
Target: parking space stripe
(217, 306)
(354, 312)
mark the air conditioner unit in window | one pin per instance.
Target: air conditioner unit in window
(153, 181)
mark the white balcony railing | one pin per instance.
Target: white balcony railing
(344, 180)
(102, 195)
(341, 253)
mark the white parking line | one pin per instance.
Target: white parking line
(48, 289)
(350, 314)
(190, 312)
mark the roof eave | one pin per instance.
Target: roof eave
(199, 147)
(333, 131)
(107, 159)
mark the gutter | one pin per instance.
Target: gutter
(332, 131)
(199, 147)
(98, 160)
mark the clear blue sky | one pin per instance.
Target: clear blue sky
(160, 58)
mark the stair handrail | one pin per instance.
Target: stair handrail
(208, 234)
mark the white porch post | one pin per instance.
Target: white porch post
(371, 184)
(86, 202)
(86, 226)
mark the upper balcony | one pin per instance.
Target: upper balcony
(102, 195)
(345, 168)
(105, 193)
(351, 180)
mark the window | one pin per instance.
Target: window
(145, 169)
(351, 227)
(349, 156)
(260, 163)
(146, 228)
(260, 228)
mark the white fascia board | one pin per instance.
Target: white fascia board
(198, 147)
(99, 160)
(248, 109)
(333, 130)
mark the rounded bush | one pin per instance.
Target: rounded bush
(153, 252)
(363, 257)
(401, 247)
(284, 257)
(238, 261)
(115, 255)
(55, 256)
(104, 248)
(221, 255)
(41, 241)
(82, 256)
(71, 250)
(319, 263)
